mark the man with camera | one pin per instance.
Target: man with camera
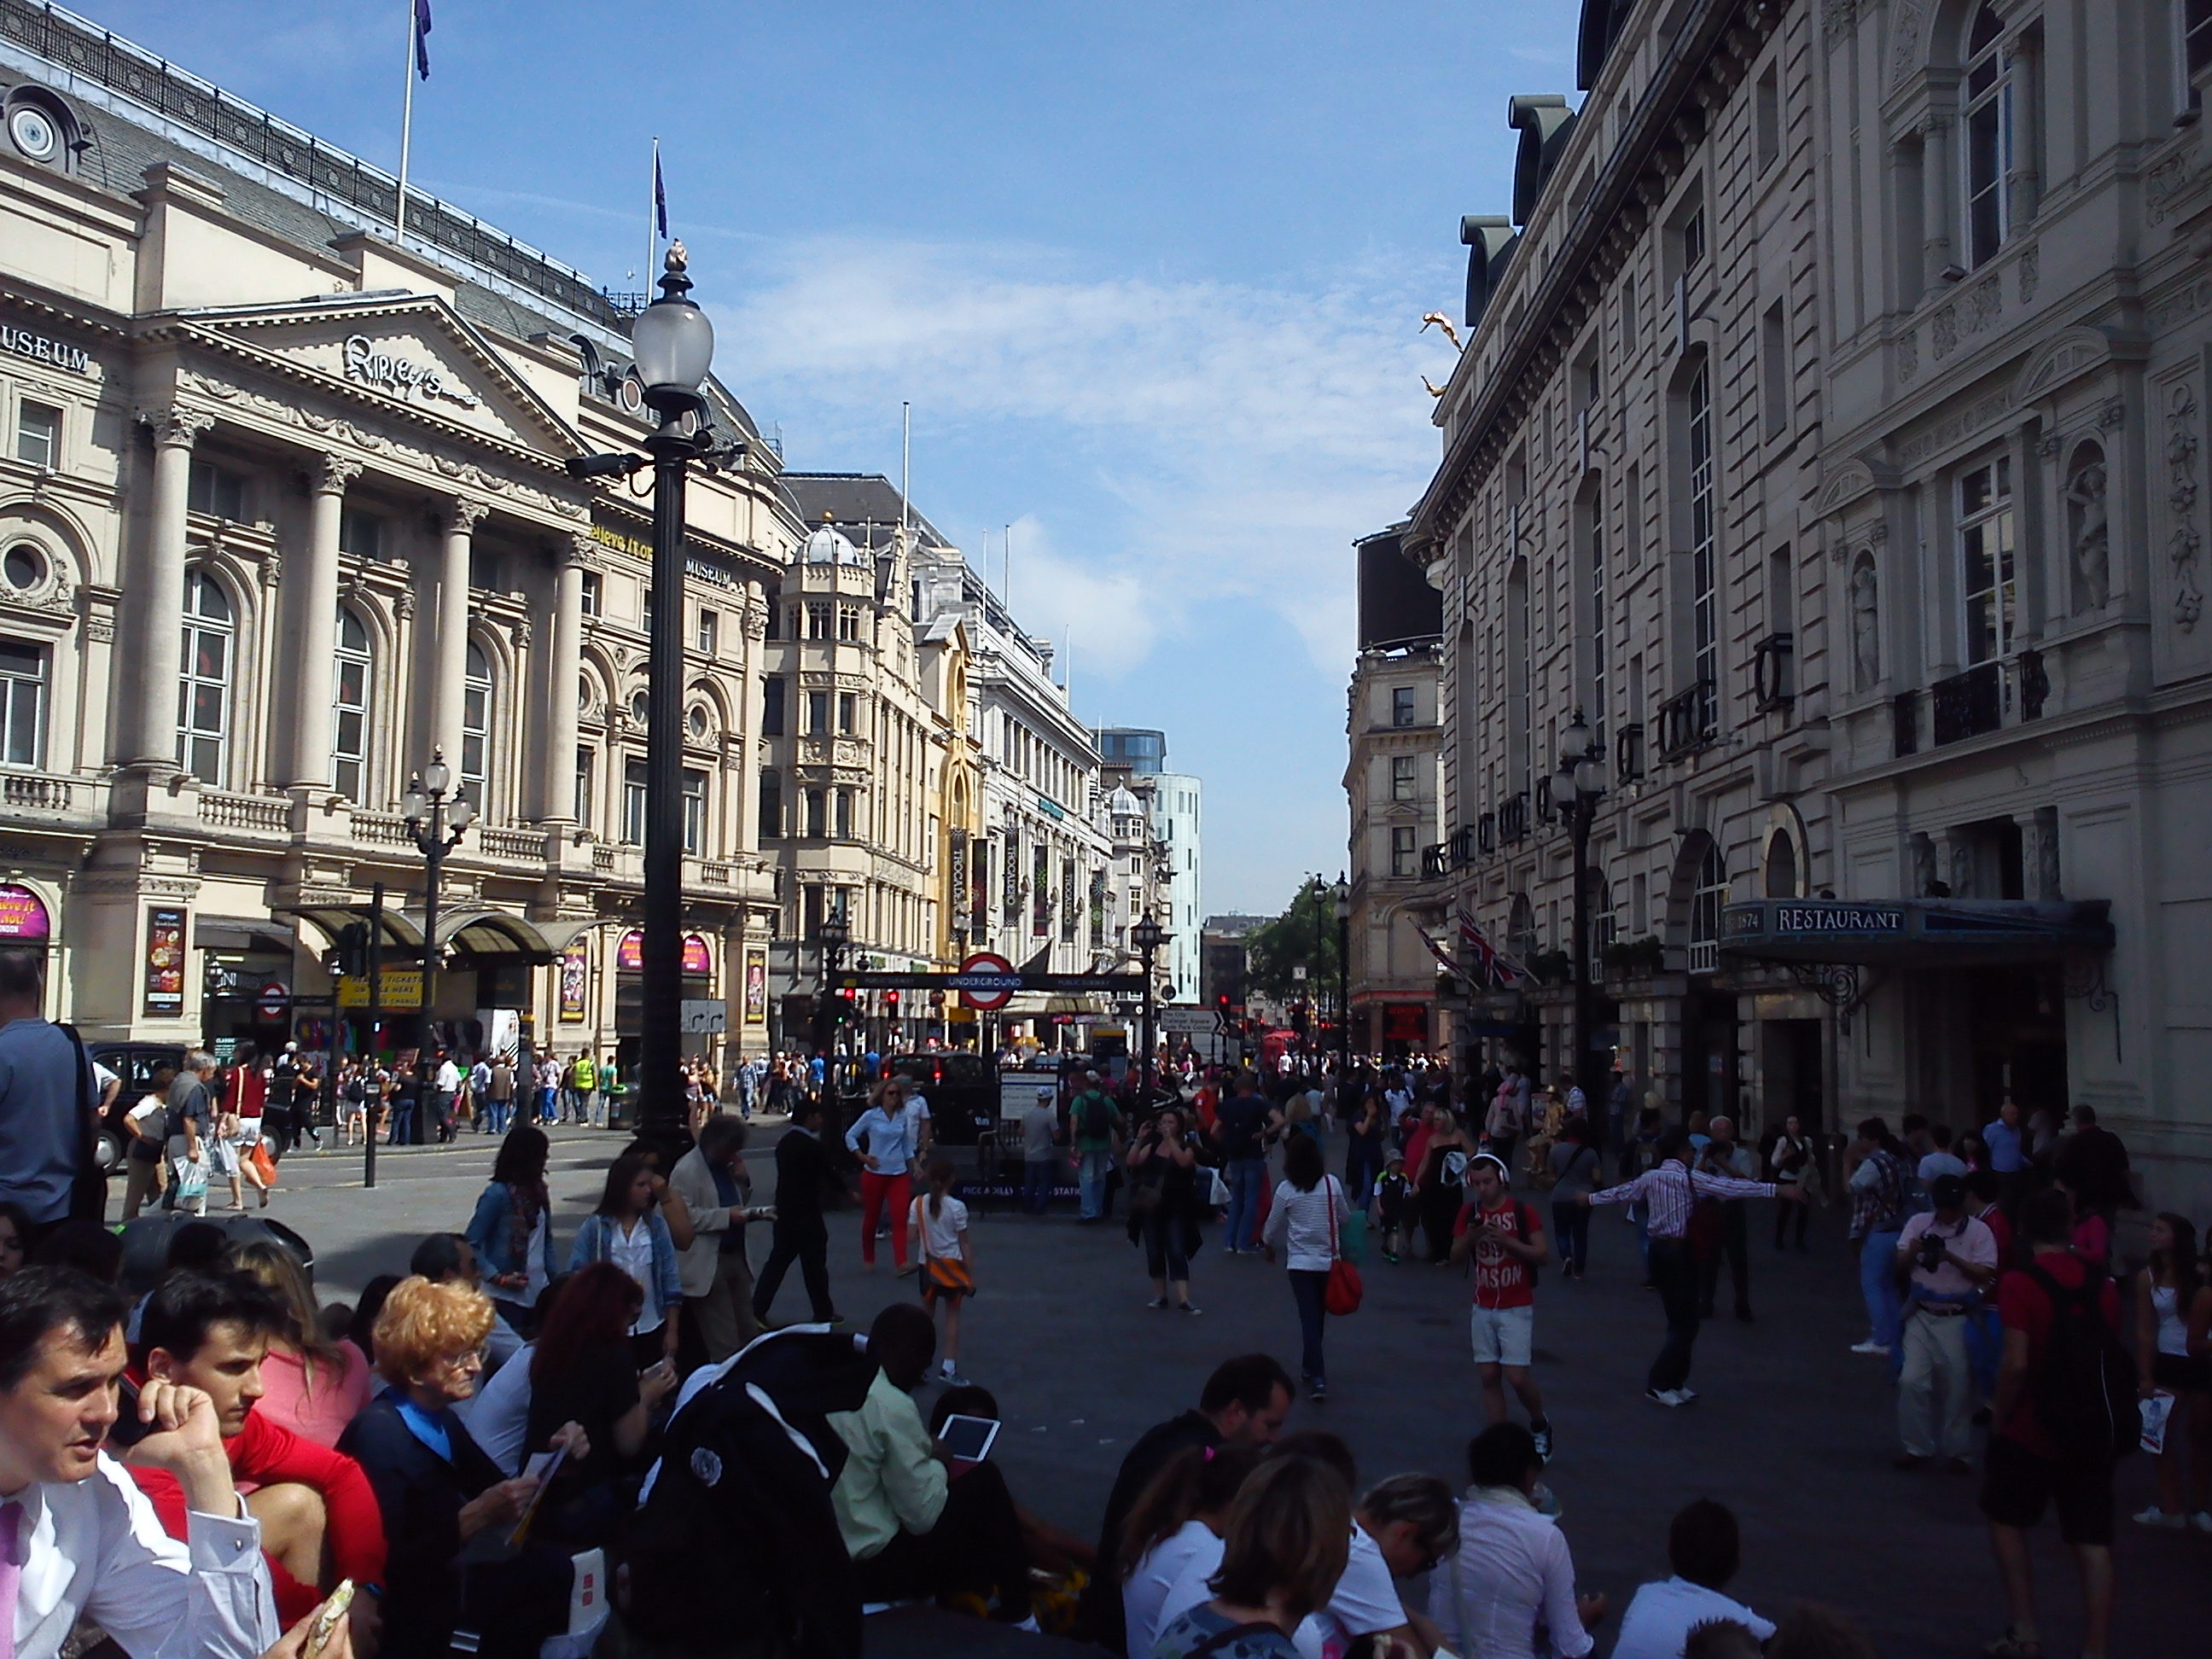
(1948, 1258)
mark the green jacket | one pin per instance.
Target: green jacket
(1079, 1119)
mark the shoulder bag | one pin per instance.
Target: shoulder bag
(1345, 1291)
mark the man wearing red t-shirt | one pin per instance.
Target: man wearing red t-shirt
(318, 1513)
(2027, 1468)
(1507, 1241)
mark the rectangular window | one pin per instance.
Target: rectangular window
(1405, 857)
(594, 600)
(773, 630)
(818, 714)
(487, 570)
(771, 695)
(848, 713)
(1774, 368)
(216, 491)
(1769, 114)
(39, 434)
(1404, 779)
(1601, 621)
(1629, 321)
(695, 813)
(1401, 705)
(633, 821)
(1690, 238)
(1704, 591)
(817, 815)
(818, 621)
(1987, 578)
(360, 534)
(583, 803)
(22, 703)
(2197, 36)
(771, 806)
(848, 622)
(843, 804)
(710, 631)
(1989, 140)
(349, 722)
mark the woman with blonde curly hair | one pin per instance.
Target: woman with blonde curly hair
(436, 1487)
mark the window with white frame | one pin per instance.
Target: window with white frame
(1402, 711)
(350, 678)
(585, 759)
(211, 631)
(1704, 592)
(1705, 903)
(215, 490)
(1405, 857)
(23, 703)
(695, 813)
(39, 434)
(1987, 609)
(475, 725)
(2195, 19)
(1404, 779)
(1989, 136)
(633, 819)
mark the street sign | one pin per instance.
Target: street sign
(986, 981)
(1190, 1022)
(274, 1001)
(705, 1017)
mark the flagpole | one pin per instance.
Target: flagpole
(651, 211)
(407, 122)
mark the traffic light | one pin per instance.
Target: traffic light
(847, 1004)
(891, 1002)
(352, 949)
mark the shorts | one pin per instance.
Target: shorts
(2016, 1485)
(2181, 1373)
(1503, 1336)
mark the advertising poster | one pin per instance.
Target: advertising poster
(22, 914)
(756, 986)
(575, 981)
(165, 963)
(698, 957)
(629, 952)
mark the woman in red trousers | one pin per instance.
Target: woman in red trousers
(879, 1136)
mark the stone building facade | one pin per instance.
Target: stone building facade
(267, 555)
(1829, 434)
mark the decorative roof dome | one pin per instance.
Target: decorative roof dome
(1123, 805)
(828, 546)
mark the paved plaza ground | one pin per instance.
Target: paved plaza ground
(1793, 1431)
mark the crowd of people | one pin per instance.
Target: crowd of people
(199, 1456)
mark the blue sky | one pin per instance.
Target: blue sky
(1151, 274)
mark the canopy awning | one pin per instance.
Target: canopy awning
(1915, 932)
(480, 931)
(400, 934)
(247, 935)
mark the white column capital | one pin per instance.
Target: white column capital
(333, 474)
(574, 552)
(175, 424)
(464, 514)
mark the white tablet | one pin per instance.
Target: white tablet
(969, 1438)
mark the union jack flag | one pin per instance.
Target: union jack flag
(1492, 967)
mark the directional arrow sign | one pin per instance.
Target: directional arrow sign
(1190, 1022)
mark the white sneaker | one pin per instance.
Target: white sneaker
(2156, 1516)
(1684, 1396)
(1870, 1347)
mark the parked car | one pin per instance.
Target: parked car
(135, 1064)
(962, 1091)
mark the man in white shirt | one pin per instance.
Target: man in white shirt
(77, 1539)
(445, 1084)
(1951, 1257)
(480, 1097)
(1705, 1549)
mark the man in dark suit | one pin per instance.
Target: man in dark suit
(803, 1174)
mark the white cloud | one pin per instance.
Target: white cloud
(1247, 432)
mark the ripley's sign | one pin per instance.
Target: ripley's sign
(368, 362)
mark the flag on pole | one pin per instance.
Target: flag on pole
(421, 38)
(1492, 966)
(659, 193)
(1444, 956)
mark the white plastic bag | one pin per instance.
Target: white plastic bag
(2155, 1411)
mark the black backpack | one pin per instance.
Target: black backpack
(2084, 1389)
(1097, 1116)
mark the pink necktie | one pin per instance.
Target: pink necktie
(11, 1573)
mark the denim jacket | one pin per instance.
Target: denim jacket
(595, 1242)
(502, 1244)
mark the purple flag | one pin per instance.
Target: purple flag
(660, 195)
(422, 38)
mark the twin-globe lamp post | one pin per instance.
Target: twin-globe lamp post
(1575, 793)
(673, 346)
(437, 814)
(1146, 936)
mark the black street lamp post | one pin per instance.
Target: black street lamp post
(673, 344)
(437, 815)
(1577, 792)
(1343, 895)
(831, 936)
(1146, 936)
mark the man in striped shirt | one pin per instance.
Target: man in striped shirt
(1671, 1192)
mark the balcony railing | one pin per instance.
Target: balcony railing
(525, 846)
(380, 829)
(1688, 720)
(223, 809)
(1904, 723)
(1436, 860)
(1773, 672)
(36, 792)
(1969, 704)
(1513, 819)
(1628, 753)
(2035, 685)
(1485, 834)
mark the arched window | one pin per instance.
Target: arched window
(1989, 135)
(203, 687)
(476, 725)
(350, 684)
(1705, 902)
(1781, 866)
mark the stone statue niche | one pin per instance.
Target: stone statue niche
(2089, 533)
(1866, 624)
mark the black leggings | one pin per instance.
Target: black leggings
(1787, 1215)
(975, 1547)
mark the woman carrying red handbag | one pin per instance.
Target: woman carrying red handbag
(1302, 1227)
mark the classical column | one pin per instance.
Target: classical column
(560, 763)
(152, 742)
(450, 642)
(1936, 195)
(314, 641)
(2023, 181)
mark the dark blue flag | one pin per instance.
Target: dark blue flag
(659, 195)
(422, 38)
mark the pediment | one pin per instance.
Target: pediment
(415, 352)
